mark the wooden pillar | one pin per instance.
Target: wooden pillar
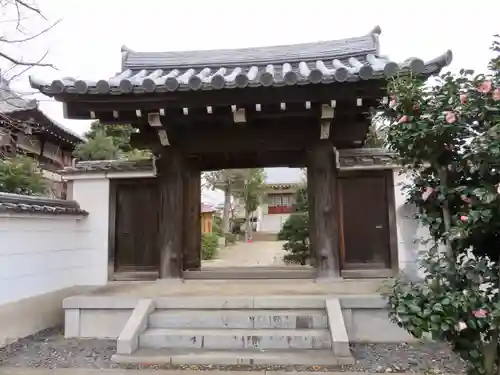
(170, 168)
(324, 233)
(310, 203)
(192, 218)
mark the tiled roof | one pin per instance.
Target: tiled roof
(38, 205)
(348, 158)
(11, 102)
(99, 166)
(366, 158)
(342, 60)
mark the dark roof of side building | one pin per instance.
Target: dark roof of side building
(13, 105)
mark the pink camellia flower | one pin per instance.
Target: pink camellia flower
(427, 193)
(496, 95)
(484, 87)
(464, 218)
(463, 98)
(461, 326)
(480, 313)
(393, 104)
(450, 117)
(403, 119)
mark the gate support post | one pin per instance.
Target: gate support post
(192, 218)
(323, 217)
(169, 168)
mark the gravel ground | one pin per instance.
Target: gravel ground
(49, 349)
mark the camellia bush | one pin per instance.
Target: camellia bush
(447, 136)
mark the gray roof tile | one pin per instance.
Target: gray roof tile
(347, 159)
(344, 60)
(11, 102)
(99, 166)
(367, 158)
(27, 204)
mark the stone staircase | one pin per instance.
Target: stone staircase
(264, 236)
(280, 335)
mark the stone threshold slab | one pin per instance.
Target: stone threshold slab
(371, 301)
(82, 371)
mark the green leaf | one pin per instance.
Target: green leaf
(445, 327)
(437, 307)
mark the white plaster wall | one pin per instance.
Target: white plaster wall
(410, 232)
(273, 223)
(44, 253)
(93, 196)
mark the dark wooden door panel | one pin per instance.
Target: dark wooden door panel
(136, 226)
(365, 222)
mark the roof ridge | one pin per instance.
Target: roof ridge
(322, 49)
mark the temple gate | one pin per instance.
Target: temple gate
(293, 105)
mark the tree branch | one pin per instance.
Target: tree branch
(25, 63)
(30, 7)
(4, 40)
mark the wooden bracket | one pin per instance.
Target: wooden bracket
(239, 116)
(325, 129)
(327, 111)
(162, 134)
(154, 121)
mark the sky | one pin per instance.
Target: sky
(86, 43)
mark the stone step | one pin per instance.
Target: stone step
(235, 338)
(242, 319)
(250, 357)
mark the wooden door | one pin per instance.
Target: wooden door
(365, 234)
(136, 226)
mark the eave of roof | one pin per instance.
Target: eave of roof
(12, 105)
(14, 203)
(345, 60)
(365, 158)
(99, 166)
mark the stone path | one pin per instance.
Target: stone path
(254, 254)
(66, 371)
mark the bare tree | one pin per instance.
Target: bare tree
(17, 18)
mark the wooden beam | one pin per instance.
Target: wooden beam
(247, 97)
(192, 218)
(170, 169)
(215, 161)
(324, 233)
